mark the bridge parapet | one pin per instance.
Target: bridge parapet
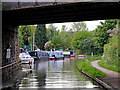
(17, 4)
(20, 5)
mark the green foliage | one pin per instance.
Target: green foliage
(50, 31)
(71, 32)
(80, 26)
(110, 55)
(65, 39)
(48, 45)
(77, 51)
(61, 39)
(64, 28)
(109, 66)
(40, 36)
(114, 31)
(89, 45)
(33, 29)
(110, 58)
(85, 65)
(101, 33)
(79, 37)
(20, 39)
(56, 40)
(26, 33)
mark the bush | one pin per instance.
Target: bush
(110, 55)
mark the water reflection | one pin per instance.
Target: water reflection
(55, 74)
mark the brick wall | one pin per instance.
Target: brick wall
(10, 39)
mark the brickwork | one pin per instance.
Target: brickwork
(10, 40)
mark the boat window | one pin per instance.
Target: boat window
(42, 53)
(27, 54)
(38, 53)
(32, 54)
(45, 54)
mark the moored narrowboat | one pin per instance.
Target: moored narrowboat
(54, 55)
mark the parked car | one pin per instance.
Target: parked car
(26, 58)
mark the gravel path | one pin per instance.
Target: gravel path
(112, 76)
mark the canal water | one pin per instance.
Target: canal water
(55, 74)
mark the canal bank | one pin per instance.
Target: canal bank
(87, 67)
(14, 81)
(112, 78)
(100, 83)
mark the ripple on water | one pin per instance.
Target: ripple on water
(55, 74)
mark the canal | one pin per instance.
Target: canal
(55, 74)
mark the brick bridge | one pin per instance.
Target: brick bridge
(23, 13)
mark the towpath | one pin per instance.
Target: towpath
(112, 77)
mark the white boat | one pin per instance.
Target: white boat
(26, 58)
(68, 54)
(54, 55)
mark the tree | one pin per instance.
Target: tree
(65, 39)
(101, 33)
(48, 45)
(80, 26)
(50, 31)
(26, 33)
(56, 40)
(71, 32)
(89, 45)
(20, 39)
(114, 31)
(40, 36)
(111, 52)
(61, 39)
(64, 28)
(80, 36)
(33, 30)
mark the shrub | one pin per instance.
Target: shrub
(110, 55)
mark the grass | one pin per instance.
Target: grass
(85, 65)
(109, 66)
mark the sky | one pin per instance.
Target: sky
(91, 25)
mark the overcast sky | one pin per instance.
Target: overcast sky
(91, 25)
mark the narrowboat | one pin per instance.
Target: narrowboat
(37, 55)
(68, 54)
(54, 55)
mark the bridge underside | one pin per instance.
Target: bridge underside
(62, 13)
